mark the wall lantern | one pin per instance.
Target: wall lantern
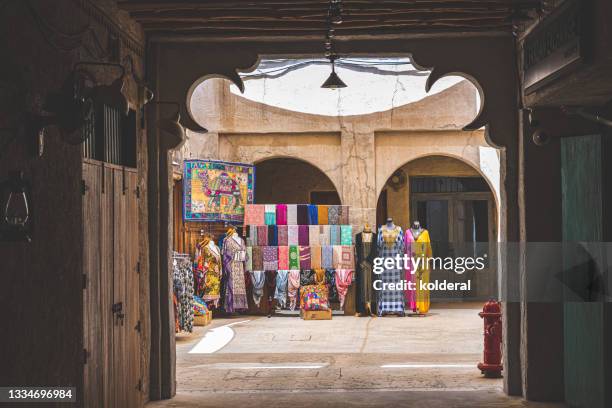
(15, 223)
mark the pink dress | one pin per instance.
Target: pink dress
(409, 276)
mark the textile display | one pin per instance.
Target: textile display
(258, 279)
(320, 276)
(410, 295)
(252, 238)
(270, 214)
(344, 278)
(234, 259)
(272, 235)
(322, 216)
(314, 297)
(182, 273)
(262, 235)
(422, 248)
(307, 277)
(294, 257)
(254, 214)
(283, 257)
(271, 283)
(327, 257)
(314, 235)
(292, 214)
(281, 214)
(330, 278)
(333, 215)
(305, 257)
(293, 235)
(324, 234)
(347, 257)
(344, 215)
(293, 285)
(313, 214)
(346, 235)
(335, 234)
(249, 258)
(303, 235)
(258, 264)
(390, 243)
(270, 258)
(207, 275)
(302, 214)
(283, 237)
(365, 248)
(199, 306)
(315, 257)
(337, 257)
(280, 294)
(217, 191)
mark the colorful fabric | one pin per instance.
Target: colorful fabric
(249, 259)
(199, 306)
(344, 215)
(293, 232)
(281, 214)
(322, 216)
(344, 278)
(422, 248)
(302, 214)
(272, 235)
(303, 235)
(217, 191)
(207, 274)
(252, 237)
(410, 295)
(330, 278)
(333, 215)
(305, 257)
(335, 234)
(271, 283)
(307, 277)
(315, 257)
(293, 285)
(283, 237)
(270, 214)
(262, 235)
(257, 263)
(324, 238)
(314, 297)
(283, 257)
(327, 257)
(270, 258)
(294, 257)
(258, 279)
(390, 244)
(314, 235)
(320, 276)
(292, 214)
(254, 214)
(280, 294)
(313, 214)
(346, 235)
(234, 256)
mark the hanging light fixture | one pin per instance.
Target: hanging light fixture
(16, 220)
(334, 17)
(333, 81)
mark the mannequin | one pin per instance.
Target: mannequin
(390, 243)
(234, 262)
(416, 229)
(208, 270)
(365, 251)
(421, 248)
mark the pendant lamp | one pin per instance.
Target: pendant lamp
(333, 81)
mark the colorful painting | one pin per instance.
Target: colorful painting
(217, 191)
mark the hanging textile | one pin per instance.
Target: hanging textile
(283, 235)
(280, 294)
(327, 257)
(344, 215)
(234, 259)
(252, 238)
(293, 285)
(390, 243)
(322, 216)
(305, 257)
(313, 215)
(324, 232)
(315, 257)
(272, 235)
(314, 234)
(258, 279)
(365, 248)
(262, 235)
(320, 276)
(337, 260)
(208, 271)
(334, 234)
(410, 295)
(344, 278)
(302, 214)
(293, 232)
(270, 258)
(257, 264)
(199, 306)
(346, 235)
(422, 248)
(314, 297)
(303, 235)
(270, 286)
(182, 271)
(294, 257)
(249, 259)
(283, 257)
(177, 327)
(292, 214)
(281, 214)
(307, 277)
(347, 257)
(254, 214)
(330, 278)
(333, 215)
(270, 214)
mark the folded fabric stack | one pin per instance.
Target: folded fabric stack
(199, 306)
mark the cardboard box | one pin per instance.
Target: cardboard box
(316, 314)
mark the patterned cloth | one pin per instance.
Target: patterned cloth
(252, 238)
(270, 258)
(280, 294)
(294, 257)
(234, 257)
(292, 214)
(314, 235)
(320, 276)
(302, 214)
(330, 278)
(346, 235)
(270, 214)
(307, 277)
(313, 214)
(344, 278)
(208, 267)
(315, 257)
(249, 259)
(327, 257)
(390, 243)
(199, 306)
(262, 235)
(333, 215)
(344, 215)
(258, 279)
(334, 234)
(337, 260)
(254, 214)
(314, 297)
(271, 284)
(347, 257)
(322, 216)
(324, 231)
(293, 232)
(293, 286)
(305, 257)
(257, 264)
(272, 235)
(303, 235)
(281, 214)
(283, 257)
(183, 290)
(283, 235)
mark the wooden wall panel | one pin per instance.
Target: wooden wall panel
(106, 279)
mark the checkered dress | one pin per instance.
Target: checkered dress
(390, 301)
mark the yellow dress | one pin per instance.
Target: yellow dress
(422, 248)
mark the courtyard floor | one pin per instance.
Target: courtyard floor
(348, 361)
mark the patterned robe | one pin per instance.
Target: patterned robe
(208, 273)
(391, 243)
(234, 259)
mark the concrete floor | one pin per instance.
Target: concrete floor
(348, 361)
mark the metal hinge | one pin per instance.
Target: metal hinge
(85, 356)
(137, 192)
(139, 385)
(84, 281)
(138, 327)
(84, 187)
(138, 268)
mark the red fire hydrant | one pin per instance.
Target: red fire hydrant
(492, 366)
